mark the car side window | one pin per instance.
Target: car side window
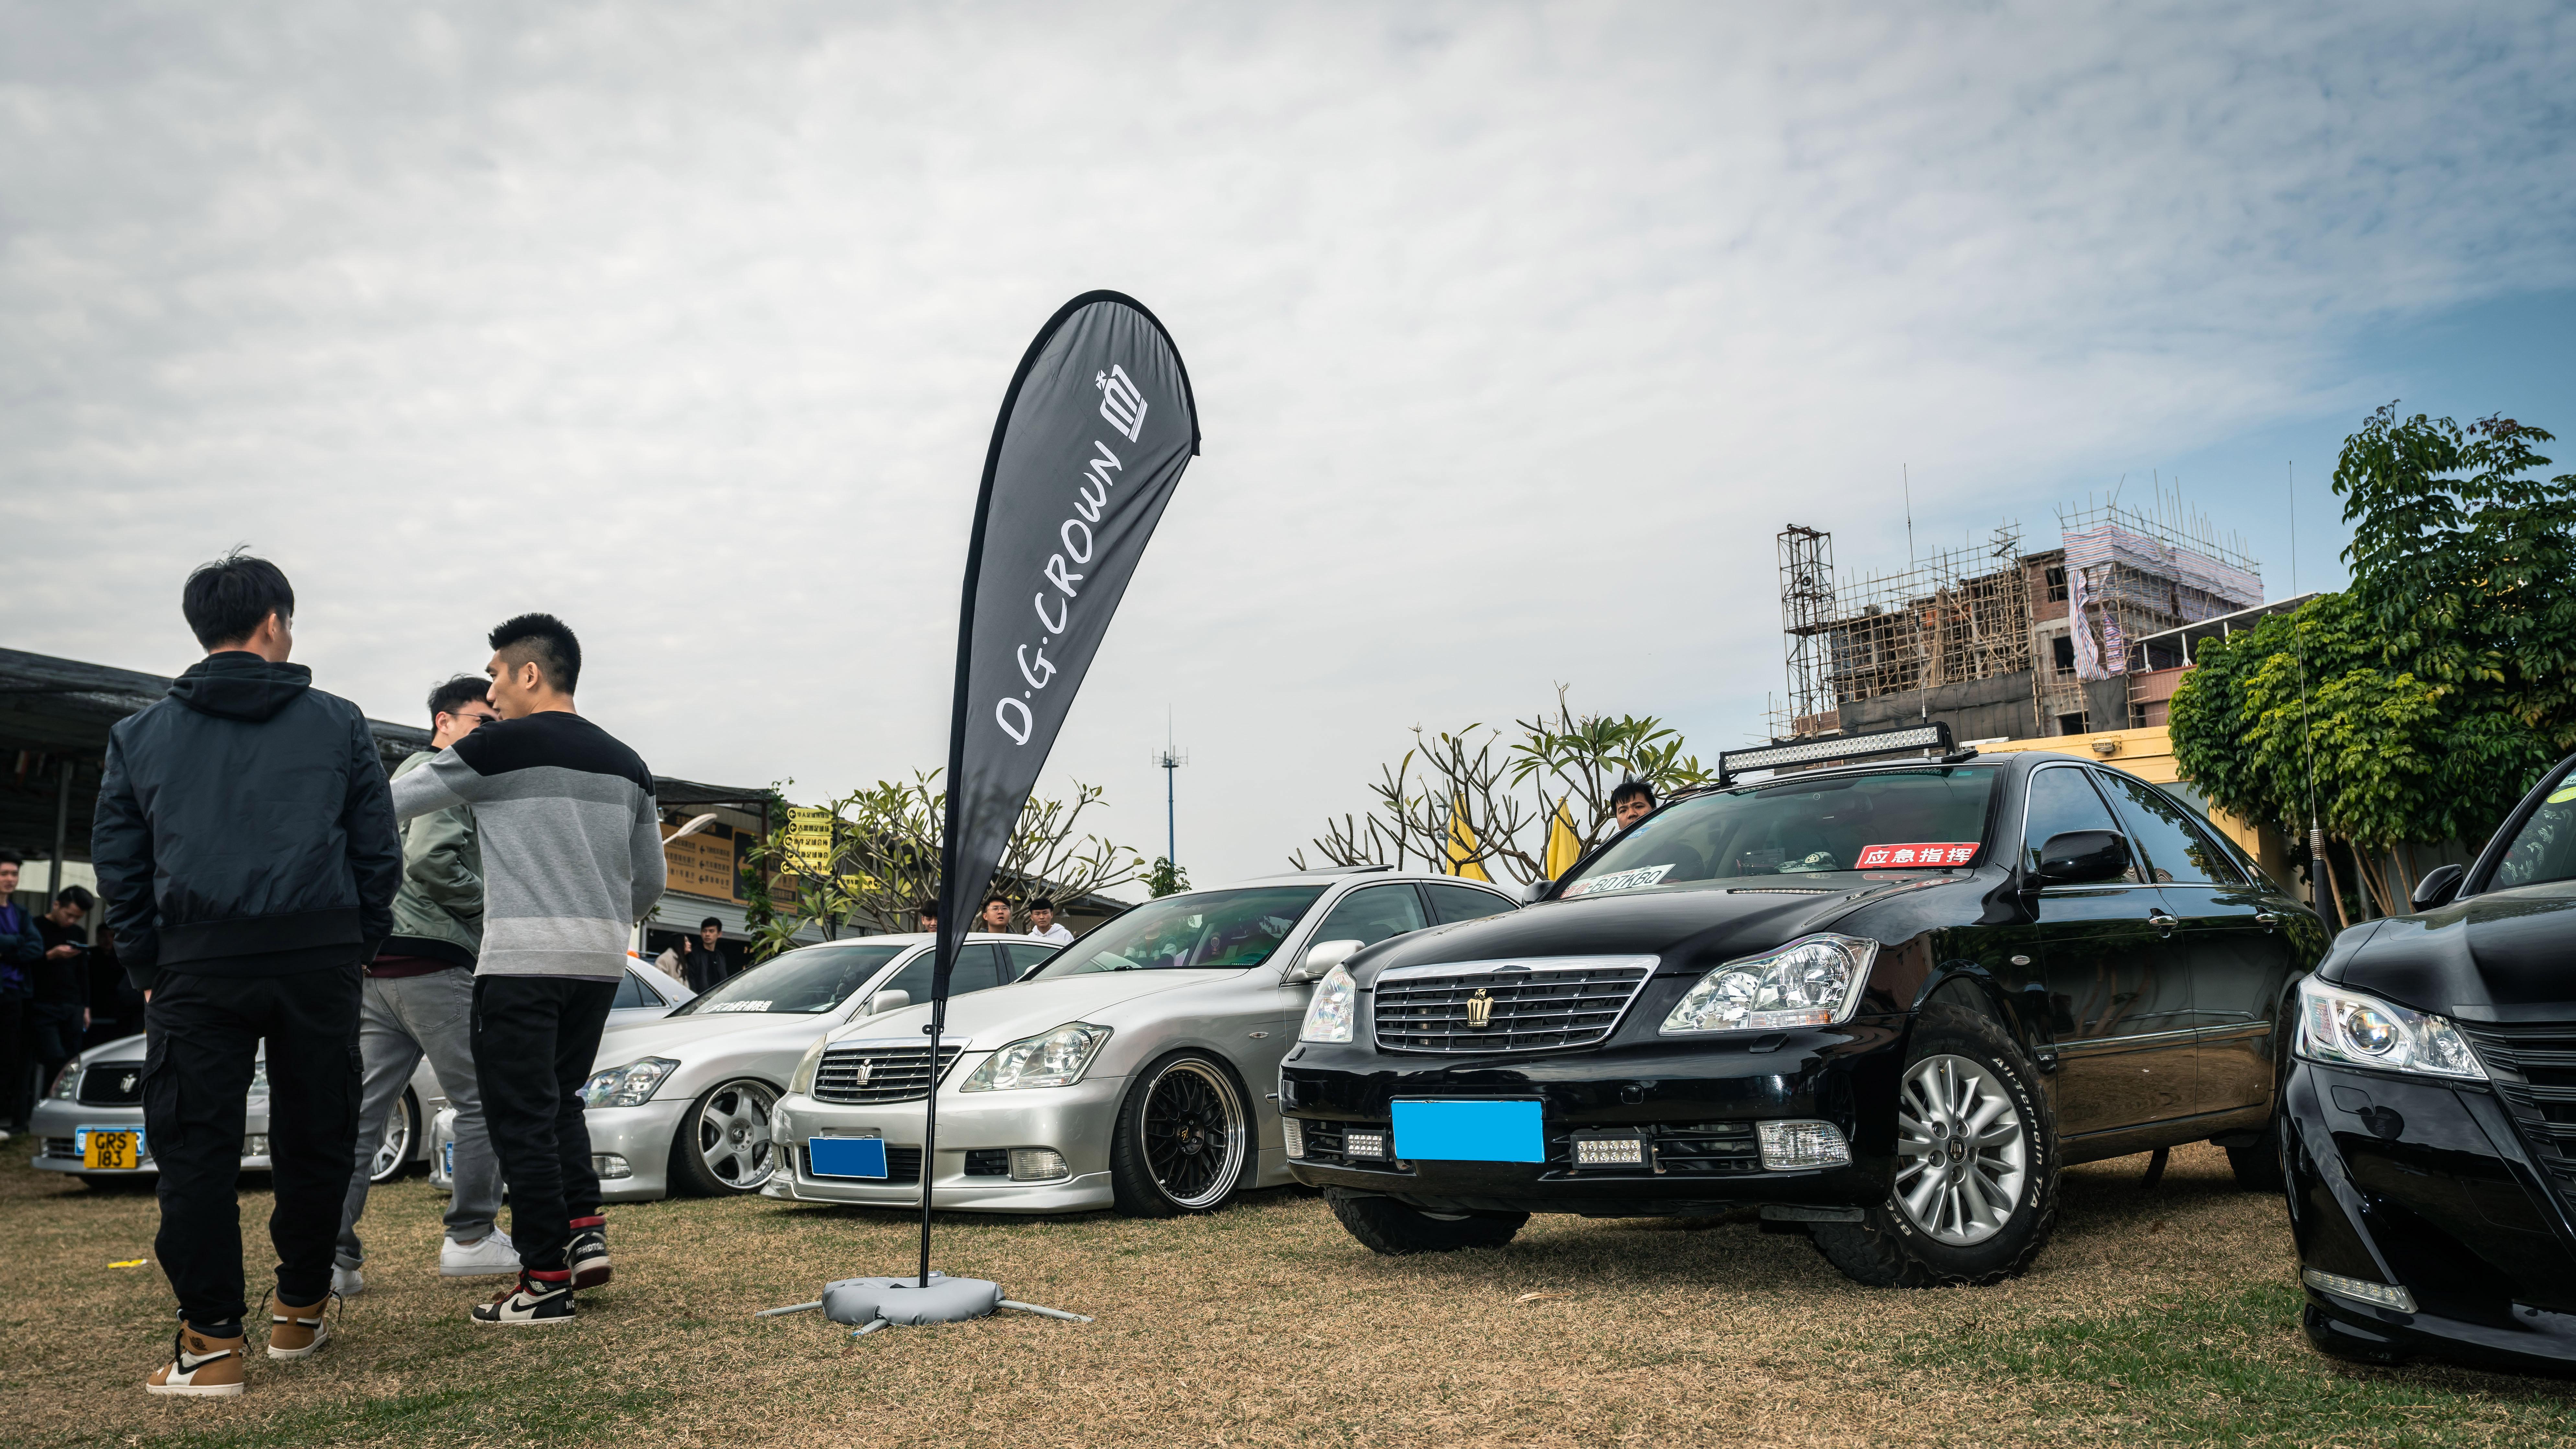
(1460, 903)
(913, 980)
(2174, 846)
(2062, 800)
(631, 993)
(1022, 958)
(1372, 914)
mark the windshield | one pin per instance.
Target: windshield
(2544, 849)
(1899, 820)
(804, 982)
(1207, 930)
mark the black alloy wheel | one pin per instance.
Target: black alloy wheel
(1387, 1226)
(1184, 1140)
(1976, 1181)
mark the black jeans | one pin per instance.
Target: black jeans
(53, 1039)
(17, 1073)
(534, 1041)
(202, 1044)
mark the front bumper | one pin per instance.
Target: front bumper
(56, 1123)
(1695, 1101)
(630, 1149)
(2428, 1186)
(1076, 1121)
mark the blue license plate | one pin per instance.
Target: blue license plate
(1470, 1132)
(846, 1156)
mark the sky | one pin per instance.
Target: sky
(1517, 331)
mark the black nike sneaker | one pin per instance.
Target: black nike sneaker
(539, 1300)
(589, 1251)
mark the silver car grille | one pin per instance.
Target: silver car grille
(879, 1074)
(1505, 1008)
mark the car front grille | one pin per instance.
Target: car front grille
(111, 1084)
(1705, 1148)
(878, 1074)
(2533, 1069)
(1538, 1009)
(61, 1147)
(988, 1162)
(903, 1164)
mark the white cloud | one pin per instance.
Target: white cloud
(1517, 331)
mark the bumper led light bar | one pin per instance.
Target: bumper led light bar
(2360, 1290)
(1628, 1151)
(1364, 1144)
(1933, 736)
(1793, 1146)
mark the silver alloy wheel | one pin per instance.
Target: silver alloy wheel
(733, 1134)
(1963, 1153)
(394, 1153)
(1195, 1134)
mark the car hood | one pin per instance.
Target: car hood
(987, 1019)
(1690, 927)
(676, 1036)
(2504, 956)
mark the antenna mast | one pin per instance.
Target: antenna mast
(1169, 760)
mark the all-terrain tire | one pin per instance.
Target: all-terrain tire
(1888, 1248)
(2257, 1164)
(1388, 1226)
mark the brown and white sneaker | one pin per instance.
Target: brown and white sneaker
(201, 1366)
(298, 1332)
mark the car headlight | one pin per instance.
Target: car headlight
(2353, 1029)
(628, 1086)
(1334, 1009)
(800, 1082)
(1812, 981)
(1052, 1059)
(66, 1083)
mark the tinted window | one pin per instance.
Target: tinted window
(2179, 853)
(1204, 929)
(1372, 914)
(1460, 903)
(814, 979)
(914, 979)
(631, 993)
(2544, 849)
(1024, 957)
(2061, 800)
(1865, 820)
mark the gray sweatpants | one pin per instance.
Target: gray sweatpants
(400, 1020)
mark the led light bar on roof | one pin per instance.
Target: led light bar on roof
(1933, 736)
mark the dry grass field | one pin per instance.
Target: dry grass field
(2155, 1317)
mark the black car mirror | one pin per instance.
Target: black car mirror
(2080, 857)
(2438, 886)
(1535, 891)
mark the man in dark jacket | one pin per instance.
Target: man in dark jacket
(702, 961)
(245, 844)
(22, 954)
(59, 1012)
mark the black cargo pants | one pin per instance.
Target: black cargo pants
(201, 1048)
(534, 1041)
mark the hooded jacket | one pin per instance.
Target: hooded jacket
(245, 827)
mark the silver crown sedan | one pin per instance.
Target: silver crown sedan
(1134, 1069)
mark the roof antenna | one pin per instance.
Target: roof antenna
(1923, 674)
(2320, 869)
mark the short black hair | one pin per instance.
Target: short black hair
(463, 689)
(997, 896)
(11, 857)
(927, 907)
(545, 641)
(1632, 790)
(1042, 904)
(710, 921)
(226, 601)
(76, 896)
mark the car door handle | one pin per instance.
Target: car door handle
(2164, 922)
(2271, 920)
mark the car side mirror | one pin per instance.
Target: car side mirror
(2080, 857)
(2438, 886)
(885, 1001)
(1535, 892)
(1321, 957)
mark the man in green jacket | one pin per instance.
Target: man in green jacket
(419, 1002)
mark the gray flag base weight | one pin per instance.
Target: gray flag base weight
(872, 1303)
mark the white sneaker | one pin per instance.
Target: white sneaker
(347, 1282)
(494, 1257)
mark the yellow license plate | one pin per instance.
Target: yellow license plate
(111, 1151)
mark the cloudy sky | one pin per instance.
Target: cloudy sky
(1518, 331)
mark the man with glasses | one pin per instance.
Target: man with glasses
(418, 1001)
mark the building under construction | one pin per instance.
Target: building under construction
(2002, 643)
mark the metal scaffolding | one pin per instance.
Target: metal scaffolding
(2131, 573)
(1954, 615)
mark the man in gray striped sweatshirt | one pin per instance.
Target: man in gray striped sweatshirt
(572, 859)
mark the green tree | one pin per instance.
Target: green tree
(1506, 791)
(1165, 878)
(2418, 705)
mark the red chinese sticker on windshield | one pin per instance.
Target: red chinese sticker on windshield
(1939, 852)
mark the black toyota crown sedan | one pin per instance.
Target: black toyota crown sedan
(2429, 1116)
(1884, 1002)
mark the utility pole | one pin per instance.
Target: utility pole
(1169, 760)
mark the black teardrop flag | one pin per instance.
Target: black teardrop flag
(1094, 433)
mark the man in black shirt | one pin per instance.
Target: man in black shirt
(59, 1013)
(702, 961)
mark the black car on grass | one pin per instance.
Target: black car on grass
(1884, 1002)
(2430, 1111)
